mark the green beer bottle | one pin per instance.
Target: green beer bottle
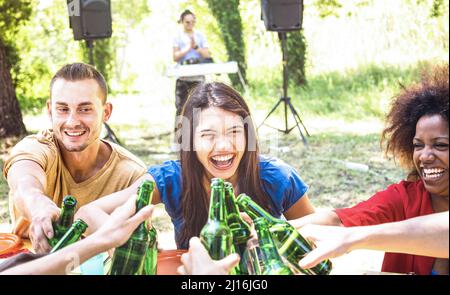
(290, 243)
(128, 259)
(215, 234)
(271, 260)
(151, 253)
(72, 235)
(65, 220)
(241, 233)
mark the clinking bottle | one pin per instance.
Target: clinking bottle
(290, 243)
(72, 235)
(271, 260)
(151, 254)
(65, 220)
(215, 234)
(241, 233)
(129, 258)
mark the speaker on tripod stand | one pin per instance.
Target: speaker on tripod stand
(283, 16)
(91, 20)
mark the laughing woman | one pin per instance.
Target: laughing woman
(417, 135)
(218, 140)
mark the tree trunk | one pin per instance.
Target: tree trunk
(230, 24)
(296, 47)
(11, 123)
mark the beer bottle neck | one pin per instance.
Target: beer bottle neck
(72, 235)
(66, 217)
(233, 213)
(254, 210)
(217, 204)
(145, 194)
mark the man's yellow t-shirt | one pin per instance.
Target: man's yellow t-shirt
(120, 171)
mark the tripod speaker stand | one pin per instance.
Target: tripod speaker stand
(286, 99)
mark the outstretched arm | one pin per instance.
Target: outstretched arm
(97, 212)
(27, 180)
(328, 217)
(113, 233)
(425, 235)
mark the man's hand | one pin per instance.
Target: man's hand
(198, 262)
(122, 222)
(41, 227)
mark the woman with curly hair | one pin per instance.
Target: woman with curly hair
(417, 136)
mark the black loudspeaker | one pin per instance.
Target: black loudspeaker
(90, 19)
(282, 15)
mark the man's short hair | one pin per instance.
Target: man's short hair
(81, 71)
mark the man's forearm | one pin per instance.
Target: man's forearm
(26, 199)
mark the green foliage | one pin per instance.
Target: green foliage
(437, 8)
(46, 43)
(335, 8)
(296, 57)
(327, 7)
(230, 23)
(13, 14)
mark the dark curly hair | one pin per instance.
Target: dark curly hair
(429, 97)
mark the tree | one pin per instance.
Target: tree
(12, 15)
(230, 23)
(11, 123)
(296, 51)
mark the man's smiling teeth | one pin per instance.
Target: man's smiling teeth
(74, 133)
(223, 158)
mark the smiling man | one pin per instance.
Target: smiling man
(70, 158)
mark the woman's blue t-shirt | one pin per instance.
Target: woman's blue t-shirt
(280, 181)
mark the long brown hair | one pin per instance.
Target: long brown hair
(194, 201)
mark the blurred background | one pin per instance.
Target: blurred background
(345, 65)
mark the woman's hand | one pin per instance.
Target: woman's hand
(122, 222)
(198, 262)
(330, 241)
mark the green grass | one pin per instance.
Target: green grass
(355, 94)
(331, 183)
